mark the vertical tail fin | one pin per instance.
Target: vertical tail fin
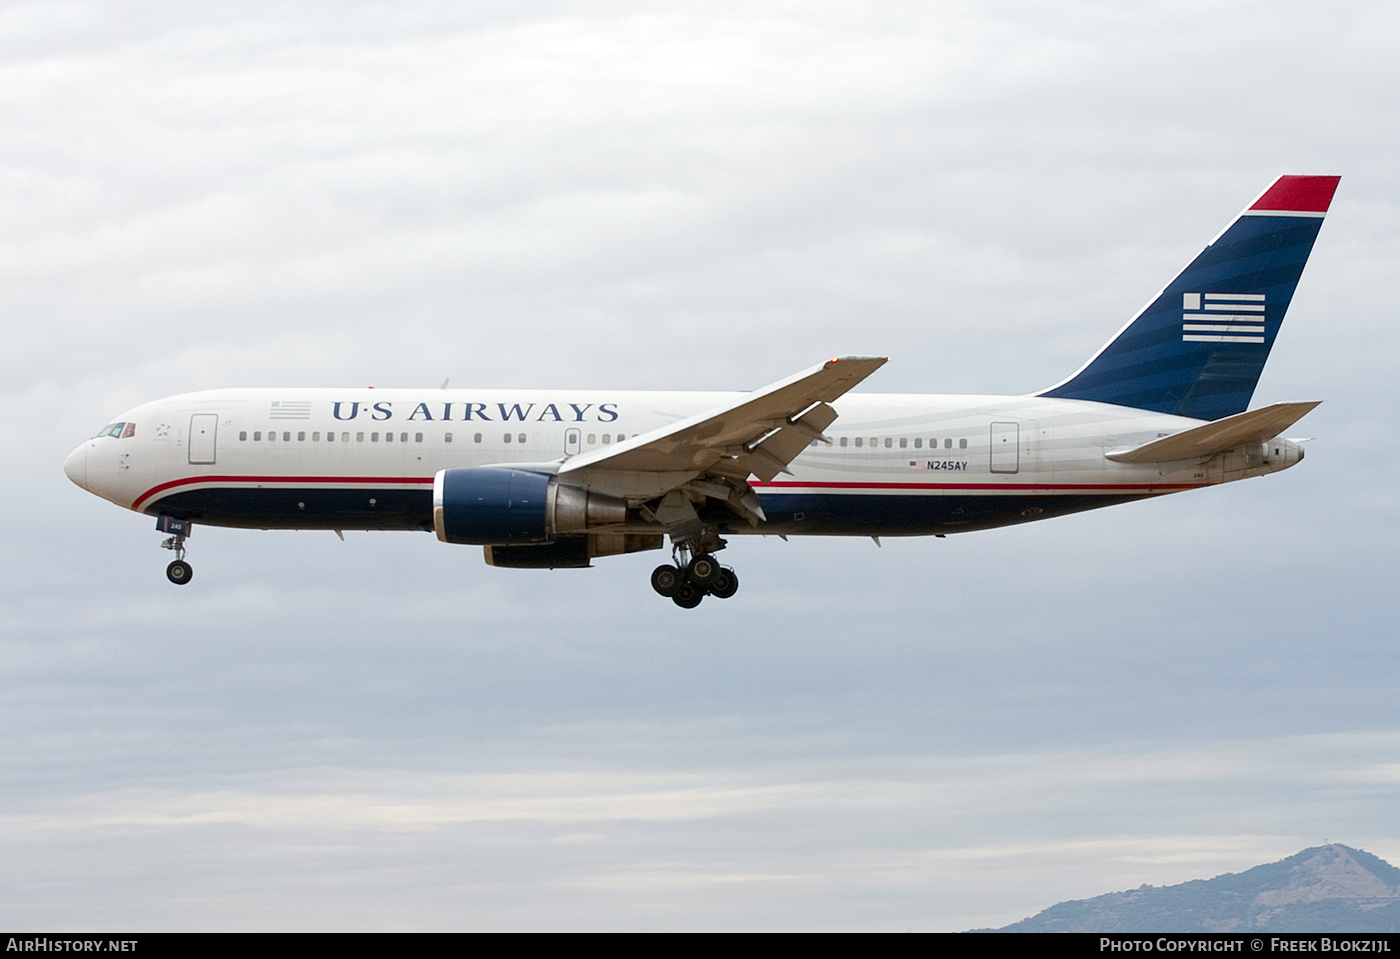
(1199, 347)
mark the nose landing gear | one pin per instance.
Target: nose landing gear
(178, 572)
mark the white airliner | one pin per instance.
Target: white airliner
(549, 478)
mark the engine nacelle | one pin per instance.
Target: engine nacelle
(571, 552)
(500, 506)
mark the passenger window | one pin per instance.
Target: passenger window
(948, 443)
(301, 437)
(287, 436)
(345, 437)
(874, 442)
(417, 437)
(843, 442)
(918, 442)
(592, 438)
(243, 435)
(903, 442)
(271, 435)
(607, 438)
(403, 437)
(507, 438)
(388, 437)
(889, 442)
(962, 444)
(374, 437)
(521, 437)
(257, 435)
(359, 437)
(316, 437)
(859, 441)
(476, 438)
(447, 437)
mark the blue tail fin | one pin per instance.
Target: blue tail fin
(1198, 348)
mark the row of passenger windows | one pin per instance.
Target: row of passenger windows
(904, 441)
(330, 437)
(286, 437)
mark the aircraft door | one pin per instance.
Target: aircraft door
(571, 442)
(1006, 447)
(204, 428)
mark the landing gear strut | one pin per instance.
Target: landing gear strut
(178, 572)
(693, 577)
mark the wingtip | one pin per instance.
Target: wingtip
(877, 360)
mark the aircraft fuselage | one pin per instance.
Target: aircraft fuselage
(898, 465)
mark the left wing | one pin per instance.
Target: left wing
(758, 434)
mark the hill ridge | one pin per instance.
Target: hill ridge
(1328, 888)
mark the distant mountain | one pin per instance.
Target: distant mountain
(1331, 888)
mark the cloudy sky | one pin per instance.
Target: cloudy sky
(386, 734)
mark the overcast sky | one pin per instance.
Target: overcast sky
(386, 734)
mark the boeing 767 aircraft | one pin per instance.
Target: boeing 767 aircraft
(557, 478)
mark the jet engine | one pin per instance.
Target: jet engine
(501, 506)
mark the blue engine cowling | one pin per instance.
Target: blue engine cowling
(501, 506)
(490, 506)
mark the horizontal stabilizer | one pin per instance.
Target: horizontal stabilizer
(1256, 426)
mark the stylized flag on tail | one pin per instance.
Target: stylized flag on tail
(1222, 317)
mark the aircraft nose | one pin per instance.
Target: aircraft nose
(76, 466)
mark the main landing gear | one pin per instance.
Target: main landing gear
(178, 572)
(687, 583)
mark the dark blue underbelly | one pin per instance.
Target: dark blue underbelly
(795, 514)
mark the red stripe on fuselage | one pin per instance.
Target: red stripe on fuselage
(193, 480)
(427, 480)
(1016, 486)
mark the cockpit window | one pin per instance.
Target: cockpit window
(122, 431)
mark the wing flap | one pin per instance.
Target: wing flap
(1255, 426)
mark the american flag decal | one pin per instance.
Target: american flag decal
(291, 410)
(1222, 317)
